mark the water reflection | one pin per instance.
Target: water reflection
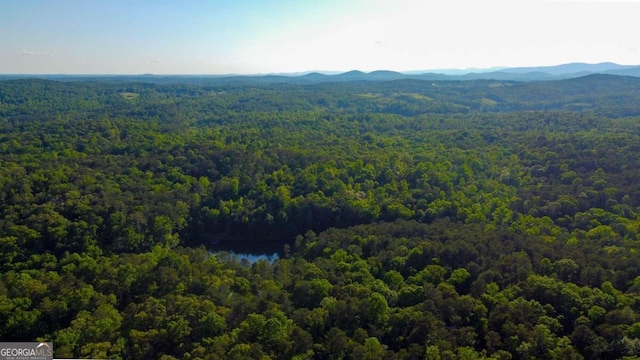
(253, 258)
(244, 259)
(248, 253)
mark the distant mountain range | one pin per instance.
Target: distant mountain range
(539, 73)
(558, 72)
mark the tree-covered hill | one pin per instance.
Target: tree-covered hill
(439, 220)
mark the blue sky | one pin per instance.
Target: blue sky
(252, 36)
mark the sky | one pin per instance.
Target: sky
(284, 36)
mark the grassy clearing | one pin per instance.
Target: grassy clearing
(129, 95)
(370, 95)
(414, 96)
(488, 102)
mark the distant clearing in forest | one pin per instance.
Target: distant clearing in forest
(129, 95)
(413, 96)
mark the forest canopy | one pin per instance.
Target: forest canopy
(438, 220)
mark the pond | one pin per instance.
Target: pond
(250, 251)
(252, 258)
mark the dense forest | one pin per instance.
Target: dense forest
(414, 220)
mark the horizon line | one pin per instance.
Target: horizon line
(440, 71)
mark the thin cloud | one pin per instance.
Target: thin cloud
(35, 53)
(155, 60)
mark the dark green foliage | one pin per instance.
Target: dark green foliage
(452, 220)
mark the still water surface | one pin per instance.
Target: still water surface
(249, 251)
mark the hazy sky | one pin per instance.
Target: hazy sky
(262, 36)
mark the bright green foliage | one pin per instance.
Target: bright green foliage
(417, 224)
